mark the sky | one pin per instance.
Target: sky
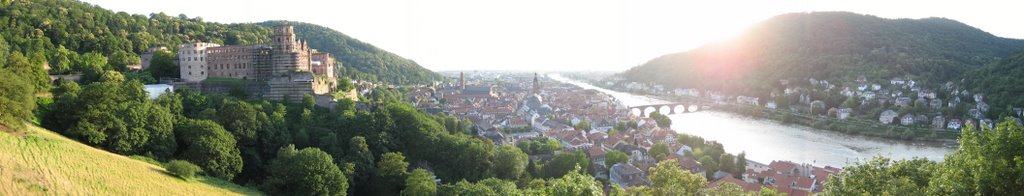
(557, 35)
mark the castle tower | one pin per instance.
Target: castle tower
(192, 61)
(284, 38)
(289, 54)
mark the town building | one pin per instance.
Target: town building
(626, 175)
(907, 119)
(887, 116)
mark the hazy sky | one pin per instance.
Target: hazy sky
(557, 34)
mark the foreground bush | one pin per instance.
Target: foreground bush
(183, 169)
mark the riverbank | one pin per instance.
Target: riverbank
(766, 138)
(852, 126)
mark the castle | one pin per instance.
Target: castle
(286, 68)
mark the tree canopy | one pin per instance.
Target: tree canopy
(17, 100)
(305, 172)
(988, 162)
(208, 145)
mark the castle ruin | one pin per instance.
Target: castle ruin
(287, 68)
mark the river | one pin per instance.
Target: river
(765, 140)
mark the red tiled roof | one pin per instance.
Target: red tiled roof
(596, 152)
(792, 191)
(689, 164)
(784, 166)
(596, 135)
(820, 174)
(743, 184)
(805, 183)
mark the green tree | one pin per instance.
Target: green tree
(62, 60)
(239, 118)
(18, 64)
(660, 151)
(509, 162)
(582, 126)
(851, 102)
(564, 163)
(880, 176)
(120, 60)
(360, 155)
(710, 166)
(724, 189)
(662, 120)
(614, 156)
(16, 100)
(162, 65)
(741, 163)
(208, 145)
(988, 162)
(160, 124)
(668, 179)
(304, 172)
(575, 182)
(727, 162)
(183, 169)
(466, 188)
(420, 183)
(345, 85)
(391, 173)
(92, 65)
(192, 102)
(345, 104)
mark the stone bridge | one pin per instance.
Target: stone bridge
(686, 107)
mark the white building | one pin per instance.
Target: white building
(844, 113)
(192, 61)
(887, 116)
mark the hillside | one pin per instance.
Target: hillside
(838, 46)
(45, 163)
(1001, 84)
(359, 55)
(39, 28)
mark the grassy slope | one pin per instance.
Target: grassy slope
(44, 162)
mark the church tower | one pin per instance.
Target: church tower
(462, 80)
(536, 84)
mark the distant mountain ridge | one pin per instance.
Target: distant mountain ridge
(830, 45)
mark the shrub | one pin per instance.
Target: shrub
(183, 169)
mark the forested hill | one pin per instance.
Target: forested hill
(830, 45)
(359, 55)
(1001, 82)
(50, 30)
